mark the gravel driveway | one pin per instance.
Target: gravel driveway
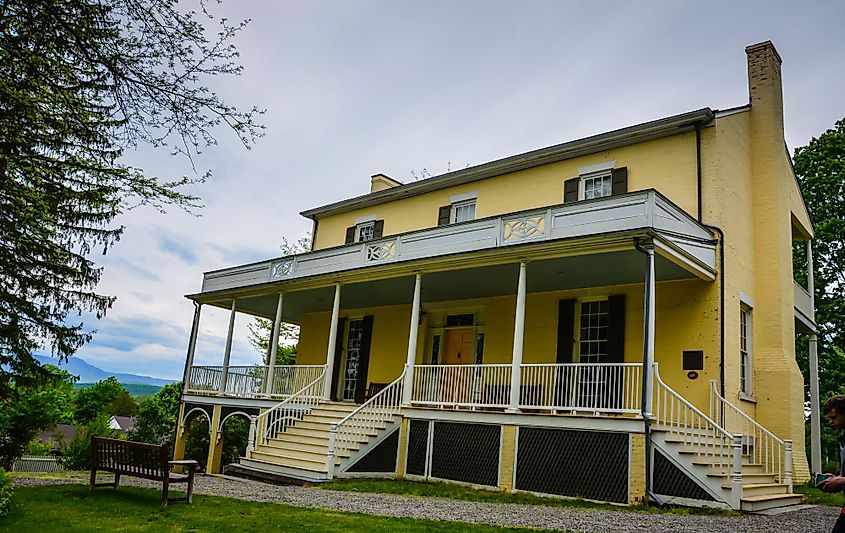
(810, 519)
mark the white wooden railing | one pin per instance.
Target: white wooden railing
(759, 445)
(277, 419)
(367, 420)
(289, 379)
(245, 381)
(462, 385)
(204, 379)
(709, 441)
(592, 387)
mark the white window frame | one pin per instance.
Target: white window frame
(746, 343)
(582, 184)
(576, 356)
(358, 227)
(453, 215)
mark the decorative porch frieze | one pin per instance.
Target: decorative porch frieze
(281, 269)
(524, 228)
(380, 251)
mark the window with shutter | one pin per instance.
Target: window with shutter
(597, 184)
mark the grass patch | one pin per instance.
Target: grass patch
(73, 508)
(460, 492)
(816, 497)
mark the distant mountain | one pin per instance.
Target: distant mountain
(89, 373)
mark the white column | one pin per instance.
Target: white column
(228, 353)
(192, 346)
(327, 384)
(648, 333)
(518, 337)
(815, 415)
(274, 345)
(412, 342)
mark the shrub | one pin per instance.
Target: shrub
(77, 454)
(5, 493)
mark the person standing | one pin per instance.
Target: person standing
(834, 409)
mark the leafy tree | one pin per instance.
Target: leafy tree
(820, 167)
(95, 400)
(261, 329)
(80, 82)
(77, 454)
(30, 408)
(122, 405)
(157, 416)
(197, 440)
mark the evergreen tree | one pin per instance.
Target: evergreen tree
(80, 82)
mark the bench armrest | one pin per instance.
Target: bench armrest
(189, 463)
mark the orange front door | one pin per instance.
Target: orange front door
(458, 347)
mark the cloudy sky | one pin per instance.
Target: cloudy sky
(353, 88)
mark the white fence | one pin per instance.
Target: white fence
(37, 463)
(251, 381)
(462, 385)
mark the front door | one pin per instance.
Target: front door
(457, 350)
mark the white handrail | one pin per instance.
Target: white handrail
(591, 387)
(761, 445)
(364, 421)
(708, 441)
(277, 419)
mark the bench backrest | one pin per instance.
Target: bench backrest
(135, 458)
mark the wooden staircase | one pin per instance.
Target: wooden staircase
(703, 460)
(301, 451)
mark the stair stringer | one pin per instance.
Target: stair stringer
(344, 464)
(712, 485)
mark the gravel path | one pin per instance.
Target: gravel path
(812, 519)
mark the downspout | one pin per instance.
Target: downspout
(643, 413)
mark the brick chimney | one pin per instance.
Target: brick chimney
(380, 182)
(765, 89)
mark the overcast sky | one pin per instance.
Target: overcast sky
(354, 88)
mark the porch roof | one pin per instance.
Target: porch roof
(587, 244)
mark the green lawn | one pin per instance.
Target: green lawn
(458, 492)
(72, 508)
(817, 497)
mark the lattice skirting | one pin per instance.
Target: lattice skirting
(669, 480)
(381, 459)
(468, 453)
(579, 464)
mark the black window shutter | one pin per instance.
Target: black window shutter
(565, 330)
(364, 358)
(570, 190)
(378, 229)
(443, 215)
(619, 180)
(350, 234)
(338, 355)
(616, 329)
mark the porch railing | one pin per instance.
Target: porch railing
(289, 379)
(595, 387)
(245, 381)
(204, 379)
(251, 381)
(277, 419)
(372, 416)
(462, 385)
(707, 440)
(759, 445)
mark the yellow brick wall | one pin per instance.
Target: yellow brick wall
(508, 458)
(637, 475)
(667, 165)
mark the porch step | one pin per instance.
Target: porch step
(764, 489)
(314, 463)
(297, 438)
(317, 430)
(294, 473)
(770, 501)
(298, 452)
(753, 479)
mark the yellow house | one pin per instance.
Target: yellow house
(611, 318)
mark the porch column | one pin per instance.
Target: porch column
(228, 353)
(815, 415)
(518, 334)
(192, 347)
(412, 342)
(327, 385)
(274, 346)
(648, 333)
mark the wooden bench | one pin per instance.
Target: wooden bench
(137, 459)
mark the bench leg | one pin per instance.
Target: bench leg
(116, 481)
(191, 487)
(93, 481)
(164, 491)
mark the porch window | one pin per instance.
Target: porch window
(596, 186)
(364, 232)
(593, 332)
(745, 350)
(353, 355)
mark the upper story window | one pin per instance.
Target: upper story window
(596, 181)
(365, 231)
(461, 209)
